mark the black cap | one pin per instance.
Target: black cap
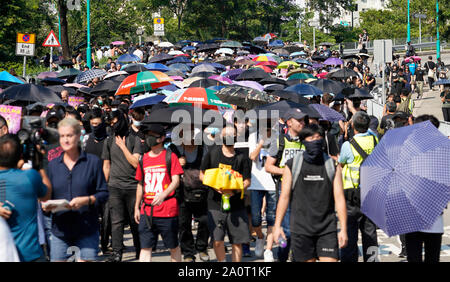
(294, 113)
(153, 127)
(53, 113)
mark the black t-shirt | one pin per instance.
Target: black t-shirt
(419, 74)
(430, 65)
(94, 147)
(312, 201)
(238, 163)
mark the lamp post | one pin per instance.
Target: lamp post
(420, 17)
(88, 49)
(409, 27)
(438, 42)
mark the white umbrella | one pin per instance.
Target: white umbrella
(175, 53)
(116, 73)
(165, 44)
(225, 51)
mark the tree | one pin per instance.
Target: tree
(62, 11)
(330, 9)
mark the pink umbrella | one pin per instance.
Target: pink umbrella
(177, 78)
(118, 43)
(221, 79)
(251, 84)
(251, 56)
(243, 58)
(322, 75)
(46, 74)
(414, 58)
(74, 85)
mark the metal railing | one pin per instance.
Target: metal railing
(395, 42)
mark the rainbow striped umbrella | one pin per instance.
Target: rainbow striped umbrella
(195, 96)
(264, 58)
(142, 82)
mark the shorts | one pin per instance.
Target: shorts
(84, 248)
(166, 226)
(234, 224)
(308, 247)
(257, 200)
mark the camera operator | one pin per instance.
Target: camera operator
(20, 190)
(3, 126)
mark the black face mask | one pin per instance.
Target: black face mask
(314, 152)
(99, 131)
(53, 125)
(151, 141)
(120, 128)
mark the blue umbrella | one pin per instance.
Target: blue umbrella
(218, 66)
(171, 87)
(128, 58)
(7, 77)
(303, 61)
(217, 87)
(304, 89)
(327, 113)
(188, 48)
(442, 82)
(180, 67)
(296, 54)
(150, 100)
(276, 43)
(156, 67)
(178, 60)
(405, 182)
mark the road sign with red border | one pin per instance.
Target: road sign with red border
(51, 40)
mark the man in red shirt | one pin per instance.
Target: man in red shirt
(158, 213)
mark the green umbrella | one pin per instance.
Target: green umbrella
(207, 98)
(300, 76)
(231, 44)
(68, 72)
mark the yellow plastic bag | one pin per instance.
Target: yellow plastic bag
(224, 178)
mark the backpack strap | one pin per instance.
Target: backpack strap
(330, 168)
(297, 163)
(358, 148)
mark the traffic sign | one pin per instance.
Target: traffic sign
(158, 26)
(158, 21)
(51, 40)
(24, 49)
(26, 38)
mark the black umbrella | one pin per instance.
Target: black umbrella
(293, 48)
(244, 97)
(84, 91)
(284, 106)
(328, 86)
(160, 58)
(254, 49)
(53, 81)
(291, 96)
(119, 78)
(134, 68)
(59, 88)
(207, 47)
(227, 62)
(274, 87)
(64, 63)
(294, 82)
(319, 58)
(360, 94)
(255, 74)
(351, 56)
(30, 93)
(68, 72)
(205, 83)
(342, 73)
(203, 74)
(174, 72)
(272, 80)
(105, 87)
(171, 116)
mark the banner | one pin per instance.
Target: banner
(75, 101)
(13, 116)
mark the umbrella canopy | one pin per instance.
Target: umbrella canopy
(318, 66)
(350, 56)
(182, 115)
(196, 96)
(291, 96)
(115, 74)
(297, 54)
(256, 74)
(272, 80)
(268, 36)
(128, 58)
(264, 58)
(413, 59)
(281, 51)
(204, 67)
(30, 93)
(342, 73)
(322, 75)
(174, 72)
(287, 64)
(116, 43)
(134, 68)
(156, 67)
(231, 44)
(53, 81)
(45, 74)
(180, 67)
(361, 94)
(105, 87)
(176, 53)
(59, 88)
(284, 106)
(160, 58)
(442, 82)
(227, 51)
(328, 85)
(245, 97)
(405, 181)
(245, 62)
(233, 74)
(207, 47)
(226, 62)
(221, 78)
(327, 113)
(333, 62)
(8, 79)
(268, 63)
(143, 81)
(303, 62)
(147, 101)
(205, 83)
(251, 84)
(276, 43)
(305, 89)
(90, 74)
(274, 87)
(202, 74)
(264, 68)
(299, 75)
(165, 45)
(68, 73)
(179, 60)
(188, 48)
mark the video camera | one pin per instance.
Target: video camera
(34, 133)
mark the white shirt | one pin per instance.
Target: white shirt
(139, 53)
(99, 54)
(261, 180)
(8, 251)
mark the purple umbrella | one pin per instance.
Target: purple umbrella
(251, 84)
(221, 78)
(177, 78)
(333, 62)
(233, 74)
(318, 66)
(46, 74)
(327, 113)
(405, 181)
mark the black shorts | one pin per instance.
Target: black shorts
(166, 226)
(234, 224)
(308, 247)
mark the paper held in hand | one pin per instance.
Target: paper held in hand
(59, 205)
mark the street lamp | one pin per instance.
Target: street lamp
(409, 27)
(438, 42)
(88, 49)
(420, 17)
(314, 24)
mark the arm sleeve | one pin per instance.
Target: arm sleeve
(105, 152)
(206, 162)
(247, 169)
(139, 172)
(176, 168)
(137, 146)
(346, 155)
(101, 194)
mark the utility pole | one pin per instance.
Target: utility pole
(438, 42)
(88, 49)
(408, 39)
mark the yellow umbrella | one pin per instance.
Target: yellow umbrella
(287, 64)
(224, 178)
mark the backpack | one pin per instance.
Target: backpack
(404, 105)
(297, 163)
(192, 189)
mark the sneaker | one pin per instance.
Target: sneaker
(402, 254)
(115, 257)
(259, 248)
(189, 259)
(268, 256)
(204, 256)
(246, 250)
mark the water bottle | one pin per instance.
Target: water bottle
(282, 242)
(226, 202)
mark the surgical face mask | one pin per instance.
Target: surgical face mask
(229, 140)
(136, 123)
(100, 102)
(83, 132)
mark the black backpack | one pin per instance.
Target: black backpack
(192, 189)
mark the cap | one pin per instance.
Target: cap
(153, 127)
(53, 113)
(294, 113)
